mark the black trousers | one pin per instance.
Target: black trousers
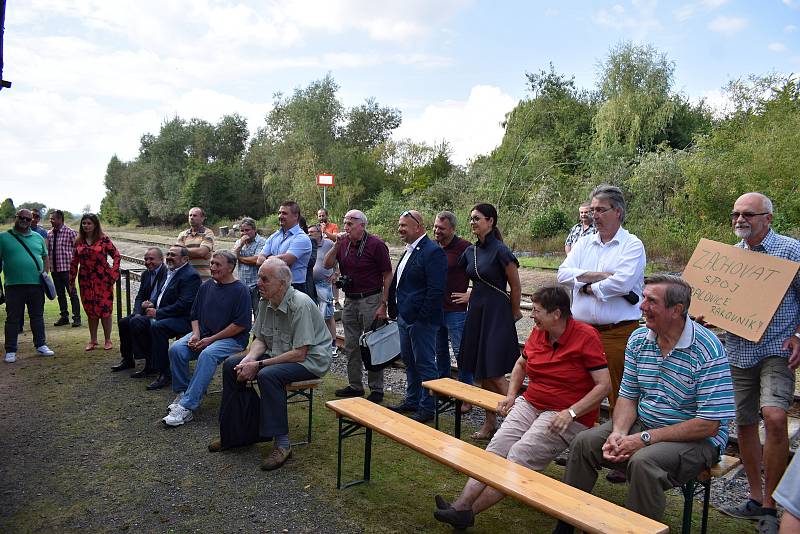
(17, 297)
(61, 281)
(134, 338)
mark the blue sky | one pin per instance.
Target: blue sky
(91, 76)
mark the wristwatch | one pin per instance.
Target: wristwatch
(797, 335)
(572, 413)
(645, 437)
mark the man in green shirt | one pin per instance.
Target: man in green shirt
(292, 343)
(21, 274)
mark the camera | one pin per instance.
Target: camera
(344, 282)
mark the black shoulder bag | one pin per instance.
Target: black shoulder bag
(44, 279)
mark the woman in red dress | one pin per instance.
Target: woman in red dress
(96, 277)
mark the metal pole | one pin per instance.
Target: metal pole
(127, 292)
(324, 197)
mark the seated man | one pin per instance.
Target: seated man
(671, 418)
(167, 317)
(568, 377)
(152, 279)
(221, 318)
(291, 344)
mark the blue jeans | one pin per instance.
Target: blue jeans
(418, 350)
(208, 359)
(452, 330)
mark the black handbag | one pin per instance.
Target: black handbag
(44, 279)
(239, 417)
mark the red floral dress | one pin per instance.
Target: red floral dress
(96, 278)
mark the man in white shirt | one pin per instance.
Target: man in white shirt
(606, 273)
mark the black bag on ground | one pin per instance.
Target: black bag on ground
(380, 345)
(239, 417)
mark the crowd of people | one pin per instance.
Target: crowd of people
(672, 385)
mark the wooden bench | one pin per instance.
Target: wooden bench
(451, 394)
(581, 509)
(305, 391)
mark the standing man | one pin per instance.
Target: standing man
(221, 320)
(764, 372)
(322, 281)
(584, 227)
(152, 280)
(606, 273)
(329, 229)
(22, 282)
(290, 244)
(246, 249)
(37, 218)
(444, 231)
(415, 299)
(168, 317)
(671, 418)
(200, 242)
(366, 276)
(61, 247)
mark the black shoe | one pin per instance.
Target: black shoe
(349, 392)
(375, 396)
(403, 408)
(441, 504)
(144, 372)
(458, 519)
(160, 382)
(76, 324)
(124, 364)
(422, 417)
(61, 322)
(563, 528)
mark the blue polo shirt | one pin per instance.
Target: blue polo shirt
(692, 381)
(294, 242)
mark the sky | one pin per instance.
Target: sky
(90, 77)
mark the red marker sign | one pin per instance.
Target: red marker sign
(325, 180)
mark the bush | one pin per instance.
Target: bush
(553, 220)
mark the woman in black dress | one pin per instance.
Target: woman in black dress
(489, 346)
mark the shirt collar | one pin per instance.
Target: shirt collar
(292, 231)
(686, 339)
(178, 269)
(766, 243)
(283, 307)
(413, 245)
(564, 337)
(201, 230)
(618, 237)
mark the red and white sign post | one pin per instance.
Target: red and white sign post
(325, 181)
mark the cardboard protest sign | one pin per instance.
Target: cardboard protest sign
(736, 289)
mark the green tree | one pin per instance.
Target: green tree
(7, 210)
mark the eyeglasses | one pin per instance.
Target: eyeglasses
(409, 214)
(746, 214)
(599, 211)
(26, 219)
(476, 218)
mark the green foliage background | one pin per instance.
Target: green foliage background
(680, 166)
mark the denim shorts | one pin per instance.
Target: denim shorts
(325, 298)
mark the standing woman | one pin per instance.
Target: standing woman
(490, 346)
(96, 278)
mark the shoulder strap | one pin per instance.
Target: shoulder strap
(15, 236)
(475, 259)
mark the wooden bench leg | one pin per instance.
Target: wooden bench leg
(347, 429)
(307, 397)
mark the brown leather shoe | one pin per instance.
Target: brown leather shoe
(215, 446)
(277, 458)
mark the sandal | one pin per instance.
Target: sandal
(478, 436)
(91, 346)
(108, 345)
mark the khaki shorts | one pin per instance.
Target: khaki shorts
(769, 383)
(525, 439)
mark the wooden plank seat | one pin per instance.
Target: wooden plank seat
(581, 509)
(703, 484)
(300, 392)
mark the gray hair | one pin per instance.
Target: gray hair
(282, 270)
(678, 290)
(448, 216)
(360, 215)
(183, 249)
(229, 256)
(158, 251)
(247, 221)
(614, 196)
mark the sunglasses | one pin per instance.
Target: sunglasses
(409, 214)
(26, 219)
(746, 214)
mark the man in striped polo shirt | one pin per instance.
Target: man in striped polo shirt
(675, 401)
(200, 242)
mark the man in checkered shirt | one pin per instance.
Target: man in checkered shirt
(764, 372)
(61, 246)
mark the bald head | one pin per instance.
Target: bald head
(410, 226)
(751, 217)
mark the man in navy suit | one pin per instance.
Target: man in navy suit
(170, 316)
(149, 287)
(415, 299)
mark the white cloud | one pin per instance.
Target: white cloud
(713, 4)
(687, 11)
(727, 25)
(471, 126)
(719, 101)
(776, 47)
(641, 19)
(789, 28)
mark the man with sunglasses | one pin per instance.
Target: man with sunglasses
(23, 255)
(764, 372)
(366, 276)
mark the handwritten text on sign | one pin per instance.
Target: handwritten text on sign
(737, 289)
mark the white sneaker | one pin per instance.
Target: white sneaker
(44, 350)
(178, 416)
(175, 402)
(334, 351)
(11, 357)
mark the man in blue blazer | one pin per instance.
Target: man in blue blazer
(170, 317)
(152, 280)
(415, 299)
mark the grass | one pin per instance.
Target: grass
(116, 468)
